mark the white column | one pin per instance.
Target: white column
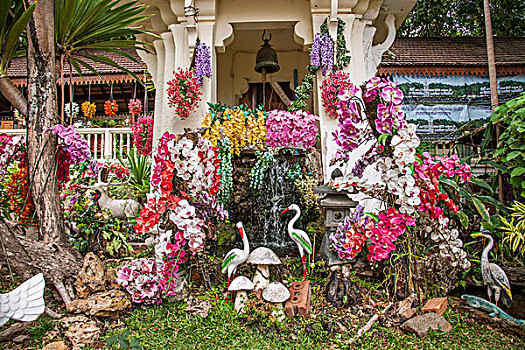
(159, 86)
(169, 66)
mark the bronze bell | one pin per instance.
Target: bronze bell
(266, 58)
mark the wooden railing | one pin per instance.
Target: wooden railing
(104, 143)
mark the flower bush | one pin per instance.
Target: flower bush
(194, 164)
(291, 129)
(142, 134)
(140, 278)
(10, 149)
(111, 107)
(351, 234)
(184, 92)
(416, 207)
(336, 82)
(20, 200)
(88, 109)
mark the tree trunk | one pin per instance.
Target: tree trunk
(58, 261)
(13, 95)
(42, 146)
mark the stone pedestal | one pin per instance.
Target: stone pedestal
(336, 207)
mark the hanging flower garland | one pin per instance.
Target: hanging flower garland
(264, 160)
(322, 53)
(111, 108)
(71, 112)
(342, 55)
(291, 129)
(142, 134)
(135, 107)
(330, 88)
(225, 171)
(184, 92)
(202, 66)
(88, 109)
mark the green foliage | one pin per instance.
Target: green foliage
(140, 173)
(452, 18)
(264, 161)
(124, 341)
(511, 146)
(13, 21)
(303, 91)
(514, 235)
(342, 54)
(107, 26)
(96, 229)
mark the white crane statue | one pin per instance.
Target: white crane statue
(299, 236)
(235, 257)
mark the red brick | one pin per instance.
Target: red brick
(299, 301)
(437, 305)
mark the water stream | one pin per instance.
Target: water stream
(275, 194)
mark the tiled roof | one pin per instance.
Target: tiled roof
(17, 69)
(460, 55)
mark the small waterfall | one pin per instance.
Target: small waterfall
(275, 194)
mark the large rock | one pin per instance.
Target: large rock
(57, 345)
(103, 304)
(92, 277)
(81, 331)
(421, 324)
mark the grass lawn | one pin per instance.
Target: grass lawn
(168, 327)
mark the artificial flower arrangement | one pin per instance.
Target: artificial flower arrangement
(184, 92)
(202, 65)
(14, 175)
(241, 125)
(330, 87)
(142, 134)
(88, 109)
(322, 52)
(135, 107)
(111, 107)
(183, 207)
(296, 129)
(409, 181)
(71, 110)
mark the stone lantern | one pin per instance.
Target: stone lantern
(336, 205)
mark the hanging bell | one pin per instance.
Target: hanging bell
(266, 58)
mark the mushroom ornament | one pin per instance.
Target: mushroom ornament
(240, 285)
(276, 293)
(262, 257)
(235, 257)
(299, 236)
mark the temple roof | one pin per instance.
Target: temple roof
(17, 70)
(460, 55)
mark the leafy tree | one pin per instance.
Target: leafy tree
(85, 25)
(87, 30)
(13, 21)
(464, 18)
